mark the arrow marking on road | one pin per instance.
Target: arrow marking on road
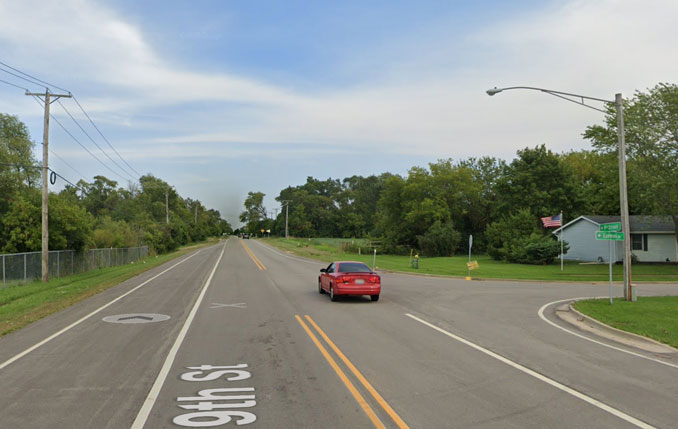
(218, 305)
(136, 318)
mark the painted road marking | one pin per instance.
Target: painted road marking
(396, 418)
(254, 258)
(145, 410)
(541, 315)
(76, 323)
(212, 407)
(615, 412)
(351, 388)
(238, 305)
(136, 318)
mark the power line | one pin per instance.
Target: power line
(78, 142)
(39, 167)
(92, 140)
(82, 176)
(21, 77)
(33, 77)
(104, 137)
(16, 86)
(36, 81)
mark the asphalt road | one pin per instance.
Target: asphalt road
(238, 335)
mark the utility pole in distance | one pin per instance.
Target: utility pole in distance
(45, 171)
(167, 205)
(287, 210)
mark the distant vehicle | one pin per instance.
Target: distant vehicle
(245, 236)
(349, 278)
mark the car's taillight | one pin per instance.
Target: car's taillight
(374, 279)
(344, 279)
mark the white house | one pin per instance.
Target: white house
(652, 239)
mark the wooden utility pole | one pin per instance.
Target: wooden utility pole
(167, 205)
(45, 178)
(287, 211)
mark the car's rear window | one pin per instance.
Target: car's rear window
(353, 267)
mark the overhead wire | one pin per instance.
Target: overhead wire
(21, 77)
(82, 176)
(78, 141)
(34, 78)
(39, 167)
(16, 86)
(104, 137)
(93, 141)
(37, 81)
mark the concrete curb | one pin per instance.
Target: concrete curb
(567, 313)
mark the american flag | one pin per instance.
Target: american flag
(552, 221)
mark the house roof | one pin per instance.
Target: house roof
(638, 223)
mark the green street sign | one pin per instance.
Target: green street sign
(610, 227)
(613, 236)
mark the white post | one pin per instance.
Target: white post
(374, 260)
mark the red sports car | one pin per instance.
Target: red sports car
(349, 278)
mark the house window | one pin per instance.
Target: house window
(639, 242)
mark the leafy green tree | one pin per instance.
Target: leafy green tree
(651, 130)
(70, 226)
(518, 238)
(17, 163)
(255, 212)
(597, 181)
(539, 181)
(21, 224)
(441, 239)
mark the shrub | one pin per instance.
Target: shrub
(518, 239)
(441, 239)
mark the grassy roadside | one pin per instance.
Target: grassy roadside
(325, 249)
(21, 305)
(654, 317)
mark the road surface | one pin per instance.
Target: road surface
(237, 335)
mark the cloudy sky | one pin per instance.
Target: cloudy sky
(222, 97)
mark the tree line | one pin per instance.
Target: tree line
(434, 209)
(92, 215)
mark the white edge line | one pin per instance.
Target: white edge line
(539, 376)
(542, 317)
(72, 325)
(145, 410)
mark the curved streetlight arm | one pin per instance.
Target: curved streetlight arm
(559, 94)
(623, 195)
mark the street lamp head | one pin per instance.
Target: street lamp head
(493, 91)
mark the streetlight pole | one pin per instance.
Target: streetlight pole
(623, 196)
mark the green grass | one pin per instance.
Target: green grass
(653, 317)
(329, 249)
(24, 304)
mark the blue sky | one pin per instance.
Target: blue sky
(219, 98)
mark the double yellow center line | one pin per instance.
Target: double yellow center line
(256, 260)
(356, 394)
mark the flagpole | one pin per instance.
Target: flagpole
(562, 230)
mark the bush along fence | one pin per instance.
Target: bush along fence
(21, 268)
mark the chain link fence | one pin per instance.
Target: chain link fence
(20, 268)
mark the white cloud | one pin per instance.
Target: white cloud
(423, 105)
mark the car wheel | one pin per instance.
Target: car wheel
(320, 288)
(374, 297)
(333, 297)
